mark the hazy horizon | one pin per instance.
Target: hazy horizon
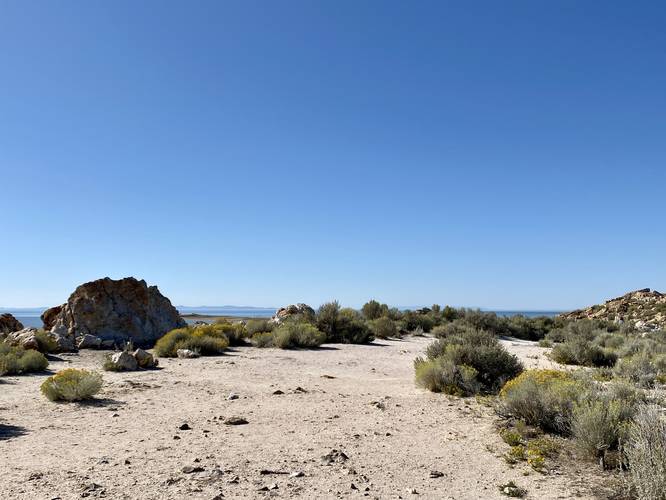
(503, 155)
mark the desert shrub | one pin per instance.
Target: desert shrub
(327, 318)
(72, 385)
(15, 360)
(262, 339)
(534, 452)
(297, 334)
(522, 327)
(443, 375)
(342, 325)
(259, 325)
(598, 425)
(374, 310)
(450, 329)
(639, 369)
(47, 344)
(412, 320)
(579, 351)
(511, 437)
(236, 333)
(645, 453)
(459, 357)
(384, 328)
(207, 340)
(610, 340)
(542, 398)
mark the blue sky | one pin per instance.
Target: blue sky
(496, 154)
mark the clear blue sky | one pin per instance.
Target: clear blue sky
(493, 154)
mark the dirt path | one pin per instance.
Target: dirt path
(360, 400)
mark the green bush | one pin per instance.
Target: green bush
(297, 334)
(254, 326)
(579, 351)
(15, 360)
(207, 340)
(598, 425)
(467, 362)
(47, 344)
(414, 320)
(262, 339)
(373, 310)
(639, 369)
(442, 375)
(384, 328)
(646, 453)
(342, 325)
(542, 398)
(72, 385)
(450, 329)
(236, 333)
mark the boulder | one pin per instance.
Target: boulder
(115, 310)
(186, 354)
(124, 361)
(300, 309)
(26, 338)
(144, 359)
(65, 343)
(9, 324)
(49, 317)
(89, 342)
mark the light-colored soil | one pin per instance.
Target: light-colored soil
(360, 400)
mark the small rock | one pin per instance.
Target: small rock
(234, 480)
(185, 427)
(297, 474)
(88, 341)
(144, 359)
(187, 354)
(277, 393)
(235, 421)
(190, 469)
(378, 404)
(353, 486)
(435, 474)
(124, 361)
(334, 456)
(232, 396)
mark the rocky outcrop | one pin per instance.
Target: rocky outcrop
(115, 310)
(9, 324)
(88, 341)
(49, 316)
(302, 310)
(643, 309)
(26, 338)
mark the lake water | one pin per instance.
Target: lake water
(31, 317)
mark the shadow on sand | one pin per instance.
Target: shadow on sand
(11, 431)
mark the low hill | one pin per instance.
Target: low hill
(645, 309)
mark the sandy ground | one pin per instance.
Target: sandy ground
(360, 400)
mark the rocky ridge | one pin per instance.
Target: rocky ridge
(644, 309)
